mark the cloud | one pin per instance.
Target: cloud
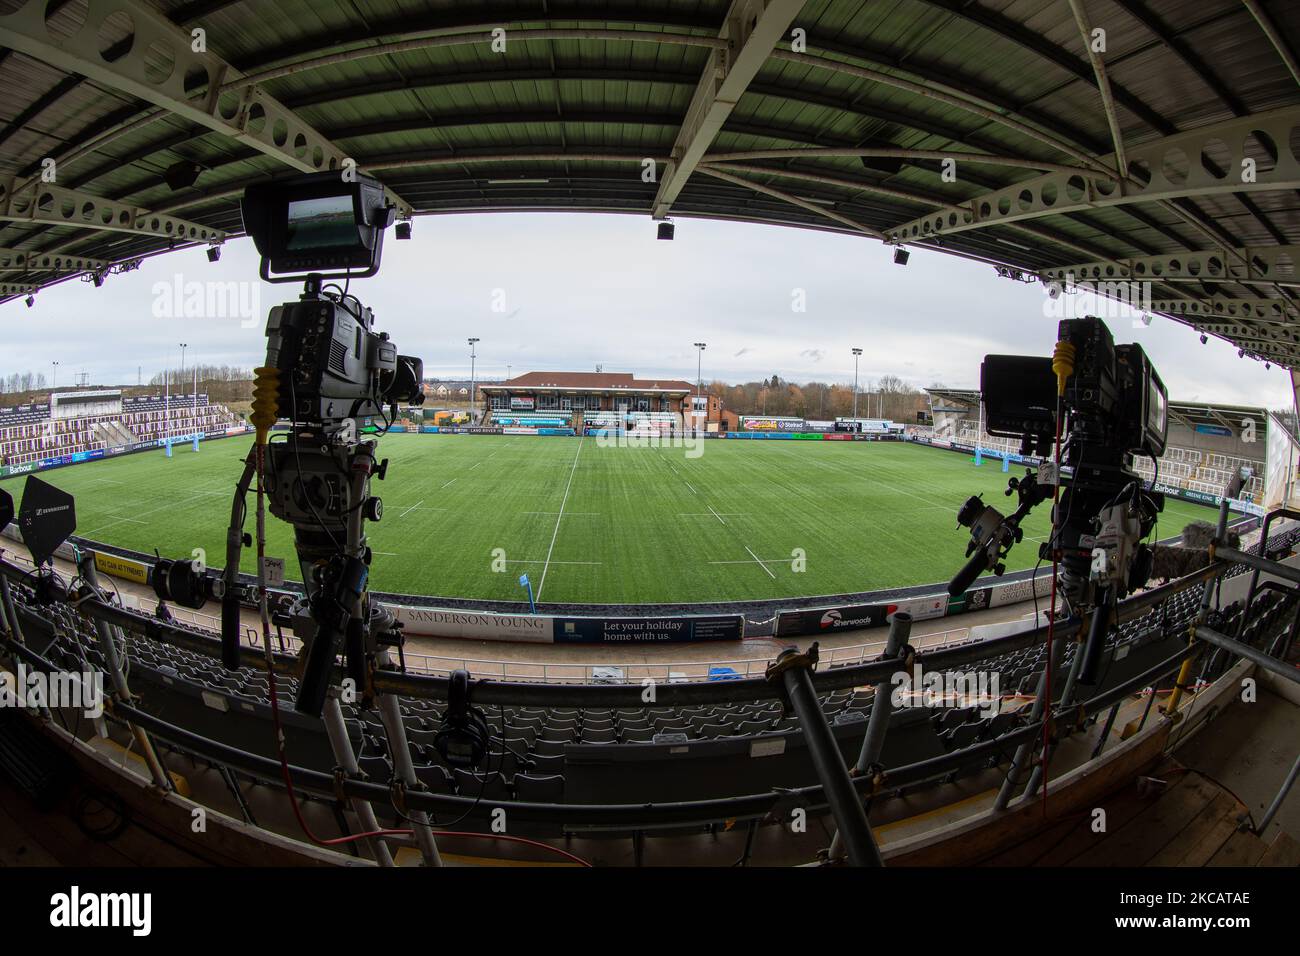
(599, 289)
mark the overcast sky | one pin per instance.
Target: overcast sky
(570, 291)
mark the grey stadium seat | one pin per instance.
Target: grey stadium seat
(531, 789)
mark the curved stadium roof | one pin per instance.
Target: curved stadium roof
(829, 115)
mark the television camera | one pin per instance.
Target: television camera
(1100, 404)
(330, 375)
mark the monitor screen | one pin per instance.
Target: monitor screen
(325, 223)
(1157, 408)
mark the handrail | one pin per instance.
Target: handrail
(626, 695)
(747, 806)
(634, 672)
(581, 817)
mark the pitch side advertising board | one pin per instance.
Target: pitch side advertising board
(120, 567)
(753, 423)
(852, 617)
(478, 625)
(648, 630)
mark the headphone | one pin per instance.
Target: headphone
(464, 737)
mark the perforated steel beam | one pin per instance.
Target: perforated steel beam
(11, 288)
(1171, 166)
(1247, 334)
(1245, 264)
(54, 205)
(155, 61)
(1276, 311)
(27, 260)
(751, 30)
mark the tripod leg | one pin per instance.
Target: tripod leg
(347, 759)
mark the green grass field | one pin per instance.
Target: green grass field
(598, 524)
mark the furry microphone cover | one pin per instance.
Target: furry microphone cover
(1190, 555)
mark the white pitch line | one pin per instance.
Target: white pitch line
(761, 564)
(571, 514)
(715, 514)
(448, 483)
(559, 518)
(412, 508)
(711, 513)
(692, 487)
(141, 514)
(521, 561)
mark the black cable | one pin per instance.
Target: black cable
(432, 821)
(84, 808)
(297, 452)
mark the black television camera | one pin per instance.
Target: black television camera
(328, 373)
(1104, 403)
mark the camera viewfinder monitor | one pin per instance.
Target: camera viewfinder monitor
(1019, 394)
(317, 223)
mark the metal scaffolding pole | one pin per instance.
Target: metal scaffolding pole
(10, 611)
(113, 665)
(882, 707)
(792, 668)
(347, 759)
(1021, 758)
(390, 713)
(1067, 695)
(1281, 796)
(1257, 657)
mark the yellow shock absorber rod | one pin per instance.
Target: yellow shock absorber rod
(266, 400)
(1062, 364)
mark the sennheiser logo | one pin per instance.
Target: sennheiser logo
(102, 910)
(50, 511)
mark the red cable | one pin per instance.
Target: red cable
(514, 839)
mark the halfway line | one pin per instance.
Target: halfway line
(558, 518)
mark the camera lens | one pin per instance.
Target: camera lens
(970, 511)
(177, 581)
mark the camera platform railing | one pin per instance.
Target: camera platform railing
(577, 819)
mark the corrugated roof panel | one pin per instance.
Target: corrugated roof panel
(1023, 59)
